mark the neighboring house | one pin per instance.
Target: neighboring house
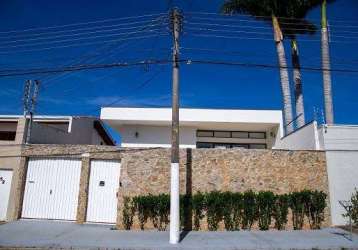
(45, 130)
(199, 128)
(340, 142)
(54, 130)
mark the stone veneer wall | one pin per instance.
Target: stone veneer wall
(233, 170)
(145, 171)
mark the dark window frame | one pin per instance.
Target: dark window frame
(252, 132)
(210, 131)
(231, 145)
(235, 131)
(7, 135)
(264, 144)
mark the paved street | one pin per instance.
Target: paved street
(52, 234)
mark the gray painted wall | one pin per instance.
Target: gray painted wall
(81, 132)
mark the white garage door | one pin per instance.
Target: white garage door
(51, 190)
(5, 185)
(103, 187)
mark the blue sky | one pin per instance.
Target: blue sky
(204, 86)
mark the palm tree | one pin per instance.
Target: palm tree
(293, 23)
(296, 24)
(327, 85)
(263, 9)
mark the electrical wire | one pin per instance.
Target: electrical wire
(161, 61)
(81, 23)
(109, 49)
(231, 31)
(78, 39)
(266, 39)
(82, 44)
(100, 30)
(254, 32)
(269, 17)
(81, 67)
(264, 27)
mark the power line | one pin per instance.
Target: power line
(265, 54)
(100, 30)
(267, 39)
(78, 39)
(242, 37)
(35, 71)
(268, 17)
(82, 44)
(233, 31)
(256, 65)
(122, 46)
(140, 86)
(296, 24)
(254, 32)
(159, 61)
(81, 23)
(263, 27)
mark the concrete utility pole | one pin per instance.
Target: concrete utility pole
(174, 172)
(30, 99)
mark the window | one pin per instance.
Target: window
(240, 146)
(230, 145)
(204, 145)
(222, 134)
(240, 134)
(202, 133)
(7, 135)
(231, 134)
(257, 146)
(221, 145)
(257, 135)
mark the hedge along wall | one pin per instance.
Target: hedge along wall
(235, 170)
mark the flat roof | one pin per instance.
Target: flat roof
(191, 117)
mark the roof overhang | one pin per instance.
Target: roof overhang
(199, 118)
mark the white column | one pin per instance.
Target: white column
(174, 204)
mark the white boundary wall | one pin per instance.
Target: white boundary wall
(305, 138)
(341, 145)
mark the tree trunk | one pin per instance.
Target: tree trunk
(326, 66)
(300, 110)
(285, 85)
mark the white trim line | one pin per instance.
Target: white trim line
(174, 204)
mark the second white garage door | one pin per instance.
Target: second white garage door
(103, 187)
(51, 190)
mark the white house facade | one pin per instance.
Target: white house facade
(199, 128)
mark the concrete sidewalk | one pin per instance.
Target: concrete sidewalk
(53, 234)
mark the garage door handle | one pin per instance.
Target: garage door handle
(117, 194)
(50, 191)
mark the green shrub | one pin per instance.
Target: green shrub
(280, 210)
(315, 206)
(265, 202)
(185, 211)
(234, 209)
(128, 212)
(142, 208)
(152, 212)
(198, 206)
(249, 214)
(161, 210)
(214, 209)
(297, 205)
(354, 210)
(228, 210)
(237, 206)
